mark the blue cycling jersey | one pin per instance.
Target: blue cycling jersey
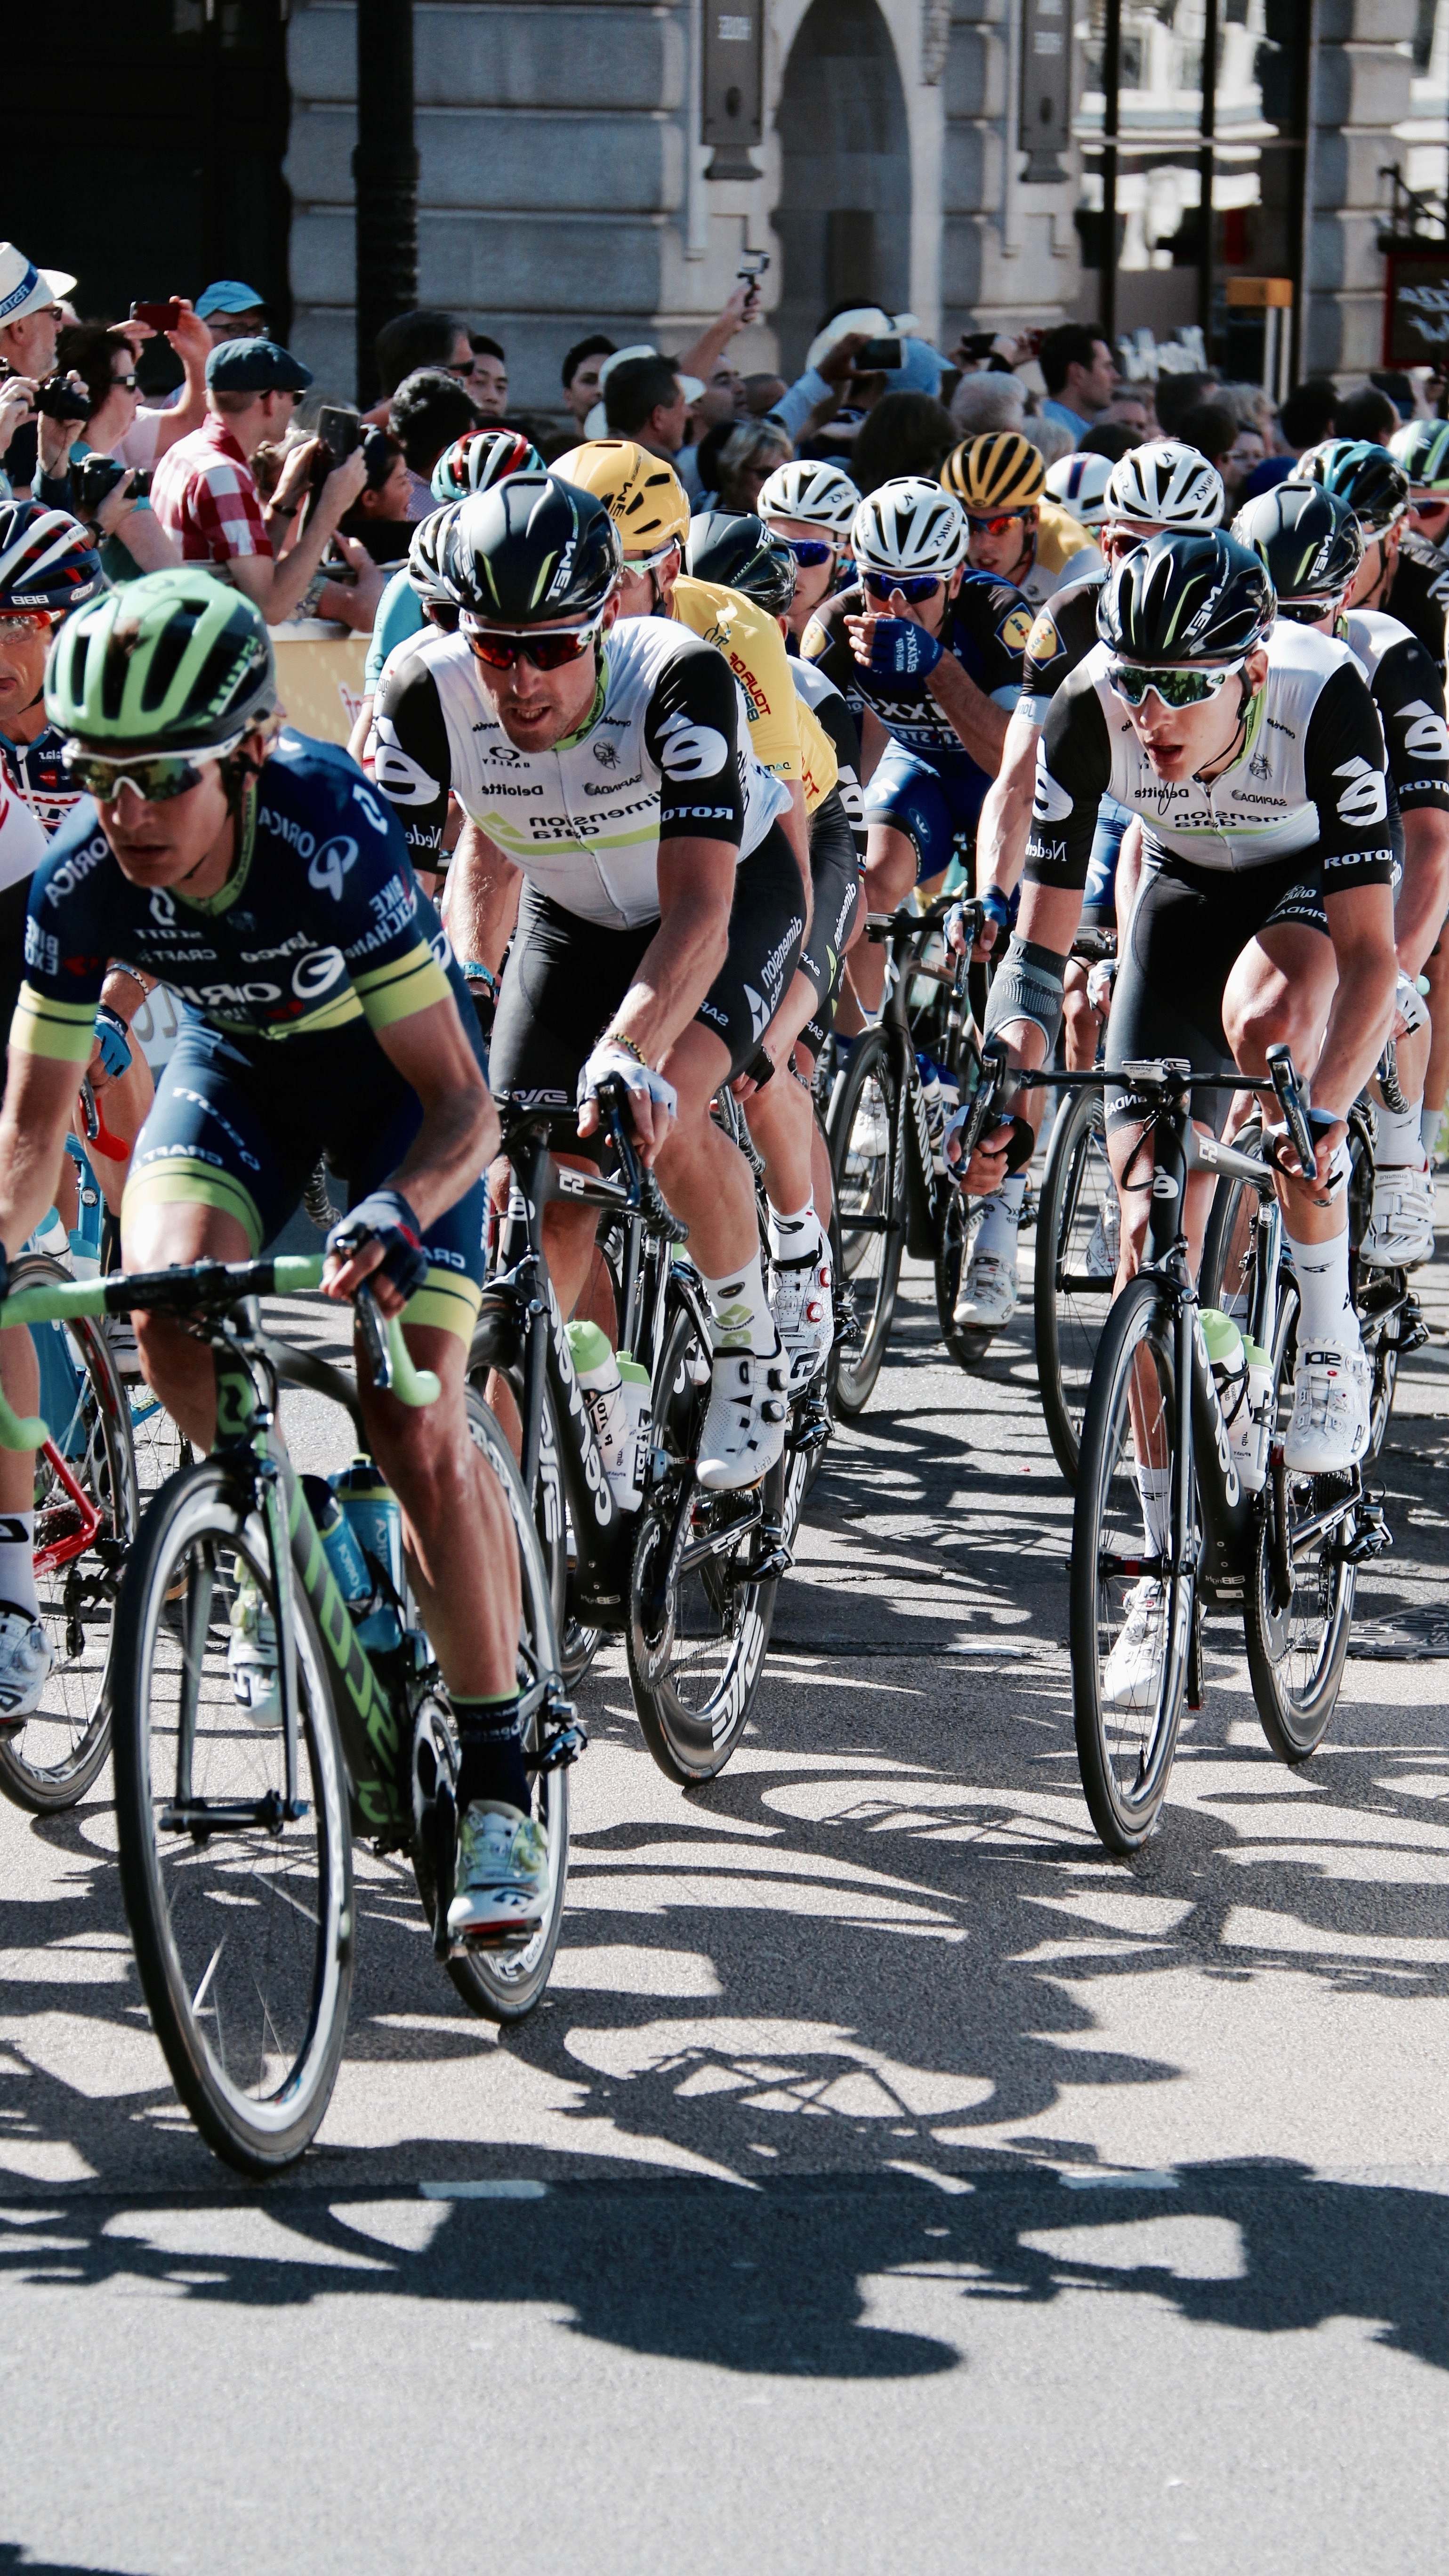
(986, 627)
(320, 924)
(399, 615)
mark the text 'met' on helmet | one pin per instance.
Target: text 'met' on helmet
(1185, 598)
(534, 550)
(642, 493)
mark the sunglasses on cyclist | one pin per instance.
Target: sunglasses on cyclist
(999, 526)
(913, 586)
(810, 552)
(155, 776)
(1175, 688)
(548, 648)
(651, 563)
(28, 621)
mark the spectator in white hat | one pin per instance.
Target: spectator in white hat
(30, 316)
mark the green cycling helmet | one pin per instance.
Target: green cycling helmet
(177, 661)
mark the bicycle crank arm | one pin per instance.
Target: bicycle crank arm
(561, 1749)
(202, 1816)
(1370, 1538)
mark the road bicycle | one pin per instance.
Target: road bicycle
(235, 1836)
(1231, 1525)
(892, 1192)
(688, 1577)
(1074, 1271)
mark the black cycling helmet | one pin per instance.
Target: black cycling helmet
(737, 549)
(1187, 598)
(532, 551)
(47, 561)
(1310, 543)
(1367, 477)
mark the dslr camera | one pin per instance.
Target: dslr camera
(96, 477)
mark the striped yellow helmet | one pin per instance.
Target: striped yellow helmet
(643, 496)
(1001, 470)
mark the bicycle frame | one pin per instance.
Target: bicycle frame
(911, 1138)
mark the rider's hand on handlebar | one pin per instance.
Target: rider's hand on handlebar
(652, 1100)
(379, 1240)
(1328, 1131)
(996, 914)
(988, 1166)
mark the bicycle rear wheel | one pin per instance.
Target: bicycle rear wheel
(699, 1611)
(1298, 1608)
(1074, 1269)
(244, 1933)
(86, 1517)
(504, 1985)
(869, 1171)
(1127, 1718)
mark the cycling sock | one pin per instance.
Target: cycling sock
(1397, 1139)
(490, 1732)
(1154, 1484)
(795, 1238)
(739, 1309)
(1429, 1125)
(17, 1561)
(1325, 1309)
(997, 1230)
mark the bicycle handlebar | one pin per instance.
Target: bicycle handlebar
(1291, 1102)
(206, 1283)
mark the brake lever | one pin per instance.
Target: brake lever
(1290, 1100)
(644, 1191)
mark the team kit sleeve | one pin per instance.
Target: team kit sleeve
(1410, 698)
(1002, 620)
(826, 643)
(366, 902)
(1073, 771)
(756, 654)
(69, 941)
(1345, 773)
(837, 721)
(411, 760)
(1045, 664)
(399, 615)
(691, 735)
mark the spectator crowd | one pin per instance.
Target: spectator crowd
(310, 509)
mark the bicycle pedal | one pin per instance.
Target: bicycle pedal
(561, 1749)
(1371, 1535)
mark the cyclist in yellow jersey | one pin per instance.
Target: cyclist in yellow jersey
(650, 509)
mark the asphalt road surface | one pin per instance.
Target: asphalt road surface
(890, 2181)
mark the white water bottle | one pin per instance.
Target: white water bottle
(597, 1369)
(634, 1474)
(1259, 1409)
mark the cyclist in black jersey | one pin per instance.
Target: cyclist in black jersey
(262, 878)
(1401, 572)
(1253, 753)
(1310, 542)
(1160, 485)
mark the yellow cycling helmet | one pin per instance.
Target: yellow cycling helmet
(643, 496)
(999, 471)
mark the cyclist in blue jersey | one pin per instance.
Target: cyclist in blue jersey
(259, 875)
(928, 657)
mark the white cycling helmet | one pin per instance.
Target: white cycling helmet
(806, 489)
(910, 526)
(1080, 483)
(1169, 484)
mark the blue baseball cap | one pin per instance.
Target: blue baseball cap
(256, 367)
(229, 295)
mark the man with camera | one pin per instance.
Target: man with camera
(38, 409)
(205, 492)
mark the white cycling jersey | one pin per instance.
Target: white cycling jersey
(663, 754)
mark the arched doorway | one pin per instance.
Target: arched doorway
(844, 217)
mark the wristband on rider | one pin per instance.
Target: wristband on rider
(475, 972)
(616, 1037)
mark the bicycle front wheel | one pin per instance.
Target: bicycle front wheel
(700, 1611)
(243, 1929)
(1299, 1604)
(869, 1172)
(1131, 1616)
(1075, 1269)
(86, 1515)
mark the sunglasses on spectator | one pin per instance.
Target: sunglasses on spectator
(155, 777)
(1175, 688)
(548, 648)
(810, 552)
(999, 526)
(913, 586)
(126, 383)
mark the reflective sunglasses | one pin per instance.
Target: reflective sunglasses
(548, 648)
(153, 776)
(999, 526)
(913, 586)
(810, 552)
(1175, 688)
(650, 563)
(28, 621)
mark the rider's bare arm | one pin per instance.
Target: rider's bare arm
(39, 1108)
(480, 901)
(696, 890)
(976, 719)
(1361, 926)
(1424, 895)
(1001, 835)
(459, 1134)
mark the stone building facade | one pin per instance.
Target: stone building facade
(912, 152)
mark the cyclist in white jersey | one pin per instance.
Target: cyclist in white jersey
(661, 911)
(1253, 753)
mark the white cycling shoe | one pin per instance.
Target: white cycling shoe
(251, 1656)
(802, 1304)
(1329, 1431)
(987, 1297)
(1104, 1243)
(1400, 1231)
(870, 1132)
(744, 1426)
(26, 1656)
(1133, 1670)
(501, 1890)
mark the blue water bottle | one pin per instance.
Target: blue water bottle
(339, 1542)
(374, 1518)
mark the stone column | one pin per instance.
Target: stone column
(1361, 91)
